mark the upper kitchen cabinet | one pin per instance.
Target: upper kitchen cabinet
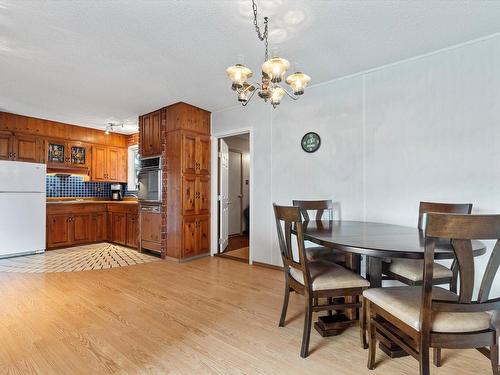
(18, 147)
(182, 116)
(149, 129)
(5, 145)
(67, 155)
(195, 154)
(109, 164)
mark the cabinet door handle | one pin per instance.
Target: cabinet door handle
(14, 155)
(10, 155)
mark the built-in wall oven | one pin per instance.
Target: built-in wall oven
(150, 180)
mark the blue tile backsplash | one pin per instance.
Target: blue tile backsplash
(74, 186)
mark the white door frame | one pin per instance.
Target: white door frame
(214, 235)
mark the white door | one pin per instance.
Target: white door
(234, 193)
(223, 194)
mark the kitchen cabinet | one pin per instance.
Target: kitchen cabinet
(150, 129)
(58, 230)
(62, 155)
(150, 229)
(81, 225)
(68, 229)
(196, 154)
(109, 164)
(196, 196)
(132, 230)
(5, 145)
(119, 228)
(182, 116)
(26, 148)
(124, 224)
(71, 224)
(188, 149)
(99, 227)
(196, 235)
(19, 147)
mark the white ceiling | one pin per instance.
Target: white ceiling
(91, 62)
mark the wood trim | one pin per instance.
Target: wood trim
(57, 130)
(266, 265)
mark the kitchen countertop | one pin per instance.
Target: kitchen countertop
(90, 201)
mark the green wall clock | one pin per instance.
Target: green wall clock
(310, 142)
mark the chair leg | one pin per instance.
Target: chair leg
(362, 323)
(372, 339)
(494, 359)
(424, 357)
(285, 303)
(436, 357)
(304, 351)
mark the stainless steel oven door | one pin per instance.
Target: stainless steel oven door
(150, 186)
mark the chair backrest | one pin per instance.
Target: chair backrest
(319, 206)
(288, 219)
(461, 229)
(445, 208)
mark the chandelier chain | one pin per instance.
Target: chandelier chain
(261, 35)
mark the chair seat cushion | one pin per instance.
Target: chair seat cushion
(324, 253)
(413, 269)
(404, 303)
(328, 275)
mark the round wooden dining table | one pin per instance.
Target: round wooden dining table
(377, 241)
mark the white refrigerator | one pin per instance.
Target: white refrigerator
(22, 208)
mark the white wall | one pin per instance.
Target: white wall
(423, 129)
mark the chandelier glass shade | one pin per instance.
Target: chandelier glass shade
(273, 73)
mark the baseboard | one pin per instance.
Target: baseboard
(266, 265)
(222, 255)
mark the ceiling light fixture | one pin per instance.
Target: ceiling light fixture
(111, 127)
(273, 72)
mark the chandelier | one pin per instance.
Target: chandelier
(273, 72)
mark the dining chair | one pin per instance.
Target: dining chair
(314, 279)
(411, 271)
(323, 210)
(421, 317)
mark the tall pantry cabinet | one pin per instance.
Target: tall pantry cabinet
(186, 179)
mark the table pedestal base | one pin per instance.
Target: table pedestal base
(333, 325)
(390, 348)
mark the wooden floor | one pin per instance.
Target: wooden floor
(211, 315)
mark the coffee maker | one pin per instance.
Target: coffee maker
(116, 192)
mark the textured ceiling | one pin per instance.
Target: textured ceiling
(90, 62)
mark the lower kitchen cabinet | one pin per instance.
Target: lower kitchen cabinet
(196, 235)
(68, 229)
(132, 230)
(75, 224)
(150, 230)
(119, 227)
(99, 227)
(58, 230)
(81, 225)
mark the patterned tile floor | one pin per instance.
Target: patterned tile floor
(82, 258)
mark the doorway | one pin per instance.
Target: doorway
(234, 197)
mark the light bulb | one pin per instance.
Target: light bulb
(275, 68)
(277, 95)
(238, 74)
(298, 82)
